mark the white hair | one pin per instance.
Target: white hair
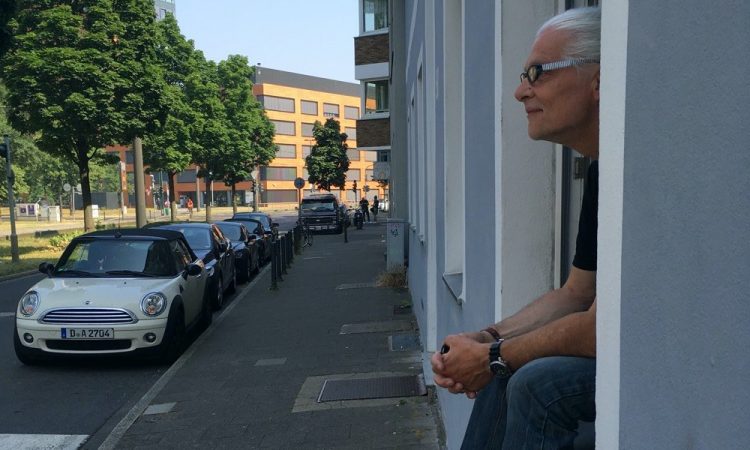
(584, 24)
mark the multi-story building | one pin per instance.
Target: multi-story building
(380, 88)
(163, 7)
(293, 103)
(492, 215)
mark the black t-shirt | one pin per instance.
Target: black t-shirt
(585, 258)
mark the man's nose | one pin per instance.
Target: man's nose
(523, 90)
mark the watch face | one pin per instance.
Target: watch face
(499, 369)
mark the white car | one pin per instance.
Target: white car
(115, 292)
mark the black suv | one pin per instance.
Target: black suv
(321, 212)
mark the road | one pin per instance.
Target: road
(76, 400)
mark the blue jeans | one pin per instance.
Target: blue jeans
(537, 408)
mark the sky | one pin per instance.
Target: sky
(303, 36)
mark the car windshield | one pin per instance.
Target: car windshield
(250, 224)
(198, 238)
(317, 205)
(233, 233)
(262, 219)
(117, 258)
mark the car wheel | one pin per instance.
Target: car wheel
(173, 342)
(207, 315)
(27, 356)
(219, 297)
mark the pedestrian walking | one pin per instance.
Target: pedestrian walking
(364, 205)
(375, 207)
(190, 206)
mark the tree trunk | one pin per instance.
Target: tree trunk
(172, 205)
(234, 201)
(210, 195)
(83, 172)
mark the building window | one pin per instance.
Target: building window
(351, 133)
(272, 103)
(352, 154)
(284, 127)
(375, 15)
(368, 175)
(286, 151)
(186, 176)
(351, 112)
(353, 196)
(307, 129)
(330, 110)
(383, 155)
(352, 174)
(306, 149)
(376, 96)
(279, 196)
(129, 156)
(278, 173)
(370, 155)
(309, 107)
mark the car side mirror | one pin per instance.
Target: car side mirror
(46, 268)
(192, 270)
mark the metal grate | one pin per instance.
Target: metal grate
(82, 346)
(88, 316)
(403, 342)
(365, 388)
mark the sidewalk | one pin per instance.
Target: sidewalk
(253, 379)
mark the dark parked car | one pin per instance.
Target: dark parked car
(264, 240)
(269, 226)
(210, 244)
(321, 212)
(246, 248)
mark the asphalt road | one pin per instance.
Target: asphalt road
(84, 397)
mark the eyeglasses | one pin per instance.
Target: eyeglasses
(534, 72)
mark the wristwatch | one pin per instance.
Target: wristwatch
(498, 365)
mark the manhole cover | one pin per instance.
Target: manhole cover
(403, 342)
(364, 388)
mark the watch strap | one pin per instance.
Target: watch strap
(492, 332)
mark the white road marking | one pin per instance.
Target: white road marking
(122, 427)
(45, 441)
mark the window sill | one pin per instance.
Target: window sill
(455, 284)
(376, 115)
(374, 32)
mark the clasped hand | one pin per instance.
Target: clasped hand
(463, 366)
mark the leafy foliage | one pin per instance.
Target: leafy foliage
(328, 163)
(80, 77)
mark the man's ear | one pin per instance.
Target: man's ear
(595, 85)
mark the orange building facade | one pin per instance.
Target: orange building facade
(293, 102)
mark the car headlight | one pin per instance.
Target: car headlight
(154, 304)
(29, 303)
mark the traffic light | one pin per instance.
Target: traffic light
(252, 185)
(354, 186)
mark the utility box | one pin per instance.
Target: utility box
(395, 244)
(51, 213)
(95, 211)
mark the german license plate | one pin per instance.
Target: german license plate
(87, 333)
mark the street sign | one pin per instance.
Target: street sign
(299, 182)
(66, 187)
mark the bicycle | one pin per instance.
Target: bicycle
(307, 236)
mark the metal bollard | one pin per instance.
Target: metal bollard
(274, 267)
(298, 239)
(289, 249)
(282, 248)
(279, 262)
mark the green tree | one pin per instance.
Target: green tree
(8, 10)
(76, 77)
(249, 131)
(208, 130)
(328, 162)
(168, 149)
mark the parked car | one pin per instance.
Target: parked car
(264, 240)
(114, 291)
(210, 244)
(269, 226)
(246, 249)
(321, 212)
